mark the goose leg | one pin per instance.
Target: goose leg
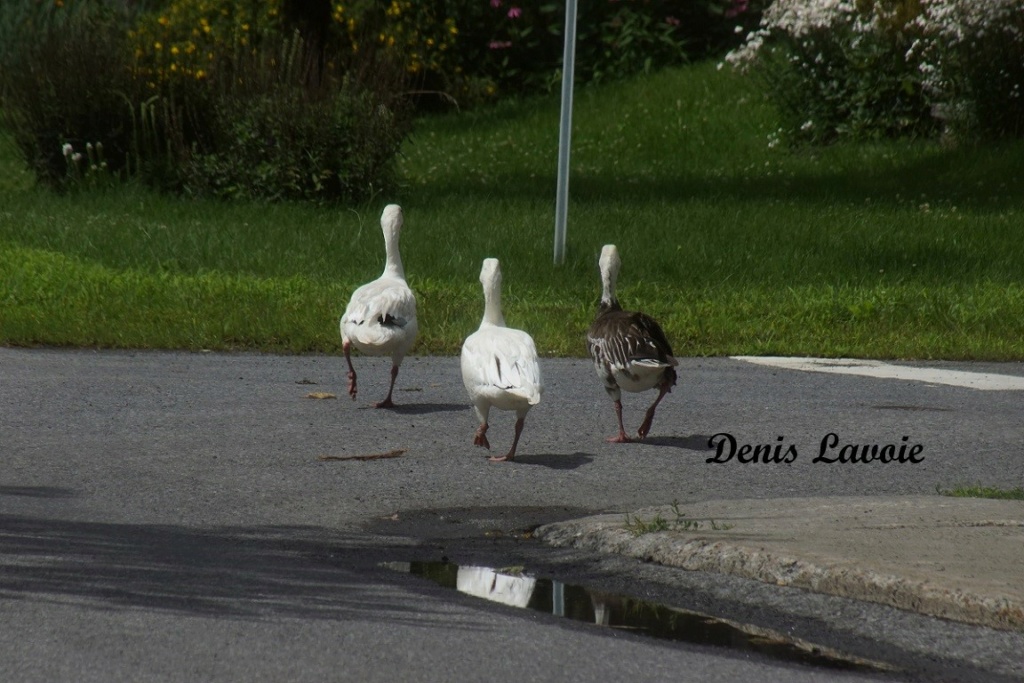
(386, 403)
(645, 426)
(511, 455)
(621, 436)
(480, 437)
(347, 347)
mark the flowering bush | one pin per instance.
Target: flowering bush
(838, 68)
(189, 37)
(870, 68)
(89, 170)
(421, 32)
(971, 55)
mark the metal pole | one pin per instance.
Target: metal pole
(565, 131)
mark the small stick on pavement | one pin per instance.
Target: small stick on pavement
(374, 456)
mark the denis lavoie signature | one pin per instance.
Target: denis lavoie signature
(831, 450)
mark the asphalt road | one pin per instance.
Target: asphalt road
(171, 517)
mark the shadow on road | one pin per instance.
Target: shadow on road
(232, 572)
(36, 491)
(556, 461)
(427, 408)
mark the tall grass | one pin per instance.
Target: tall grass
(902, 249)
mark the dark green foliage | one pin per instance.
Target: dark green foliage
(70, 84)
(991, 78)
(517, 47)
(827, 89)
(286, 123)
(291, 118)
(279, 145)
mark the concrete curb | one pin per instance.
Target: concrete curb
(687, 550)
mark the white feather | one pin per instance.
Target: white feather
(380, 319)
(500, 367)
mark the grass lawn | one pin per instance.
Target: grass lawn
(890, 249)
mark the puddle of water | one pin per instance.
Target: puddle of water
(510, 586)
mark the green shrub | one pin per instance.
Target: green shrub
(273, 104)
(205, 96)
(282, 128)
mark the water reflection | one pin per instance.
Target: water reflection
(511, 586)
(494, 586)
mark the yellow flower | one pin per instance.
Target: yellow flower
(164, 21)
(175, 50)
(158, 45)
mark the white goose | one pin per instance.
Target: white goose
(380, 319)
(499, 364)
(629, 348)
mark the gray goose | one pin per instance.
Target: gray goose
(629, 349)
(380, 319)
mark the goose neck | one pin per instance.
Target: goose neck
(492, 306)
(393, 264)
(608, 298)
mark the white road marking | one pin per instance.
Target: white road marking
(983, 381)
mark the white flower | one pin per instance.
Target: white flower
(67, 149)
